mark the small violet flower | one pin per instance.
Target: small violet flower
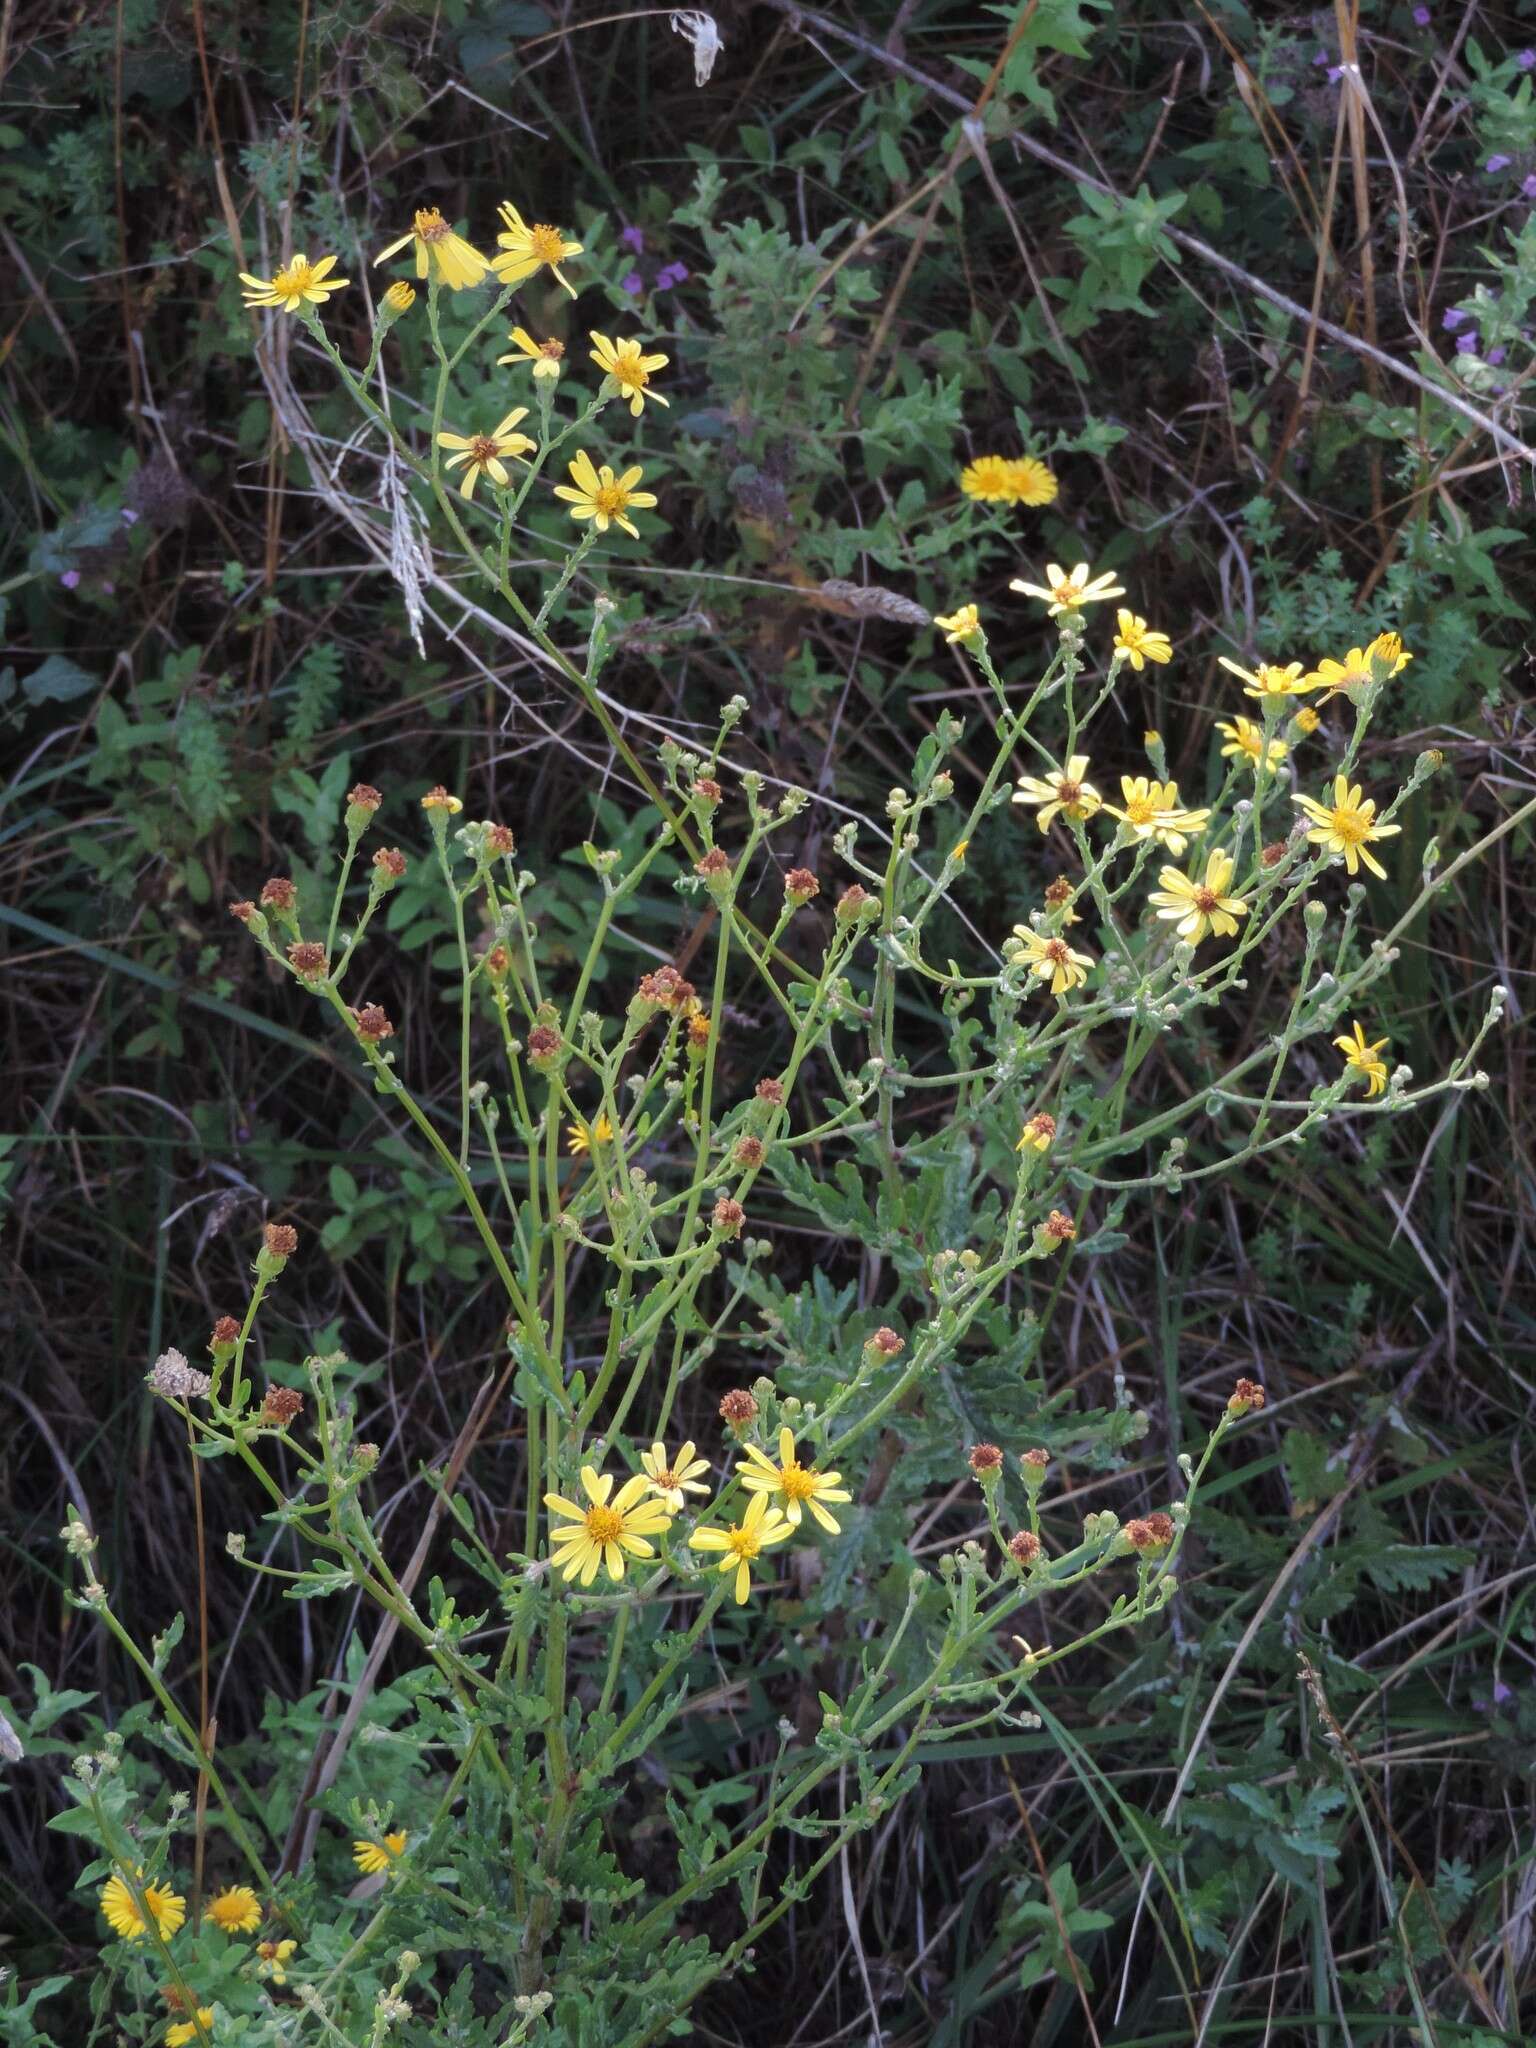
(634, 284)
(1528, 186)
(1526, 59)
(1421, 17)
(1497, 163)
(633, 238)
(1495, 356)
(70, 579)
(1466, 344)
(1452, 318)
(675, 273)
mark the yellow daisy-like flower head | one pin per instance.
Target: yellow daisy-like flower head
(1152, 811)
(1246, 739)
(130, 1917)
(527, 249)
(1195, 908)
(1062, 592)
(1050, 959)
(958, 852)
(597, 494)
(1140, 643)
(183, 2031)
(580, 1137)
(1030, 482)
(1364, 1058)
(1306, 720)
(272, 1959)
(1347, 825)
(1038, 1134)
(372, 1857)
(483, 454)
(609, 1529)
(440, 254)
(630, 368)
(1270, 679)
(236, 1909)
(545, 356)
(960, 627)
(759, 1529)
(1066, 791)
(298, 284)
(1384, 658)
(792, 1487)
(988, 480)
(671, 1478)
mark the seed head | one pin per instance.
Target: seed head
(728, 1217)
(770, 1091)
(499, 840)
(279, 894)
(372, 1024)
(985, 1460)
(800, 885)
(1246, 1394)
(224, 1336)
(748, 1151)
(173, 1377)
(279, 1242)
(738, 1408)
(280, 1406)
(1024, 1548)
(1161, 1526)
(308, 959)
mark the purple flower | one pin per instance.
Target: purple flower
(1452, 318)
(1494, 356)
(1528, 186)
(1526, 59)
(1497, 163)
(675, 273)
(130, 517)
(1321, 57)
(107, 589)
(633, 238)
(1466, 344)
(70, 579)
(1421, 17)
(634, 284)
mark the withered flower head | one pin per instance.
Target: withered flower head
(544, 1043)
(1141, 1535)
(984, 1458)
(372, 1024)
(800, 885)
(1024, 1548)
(1274, 853)
(280, 1406)
(224, 1335)
(728, 1217)
(389, 864)
(1036, 1460)
(362, 796)
(1161, 1526)
(666, 988)
(308, 959)
(1059, 1226)
(770, 1090)
(1058, 893)
(738, 1408)
(748, 1151)
(498, 963)
(280, 1239)
(886, 1342)
(499, 840)
(851, 903)
(708, 791)
(278, 894)
(244, 911)
(173, 1377)
(715, 863)
(1245, 1395)
(698, 1030)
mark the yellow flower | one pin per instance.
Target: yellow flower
(671, 1480)
(527, 249)
(1030, 482)
(298, 283)
(237, 1910)
(1050, 959)
(601, 496)
(1348, 825)
(1271, 680)
(1362, 1058)
(1384, 658)
(582, 1137)
(545, 356)
(960, 626)
(623, 361)
(1152, 811)
(1039, 1134)
(400, 297)
(372, 1857)
(1063, 790)
(759, 1529)
(1139, 642)
(797, 1486)
(272, 1958)
(604, 1532)
(988, 480)
(1247, 739)
(1064, 593)
(1306, 720)
(958, 851)
(438, 799)
(440, 253)
(183, 2031)
(1195, 908)
(125, 1914)
(481, 454)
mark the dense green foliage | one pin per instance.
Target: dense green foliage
(1272, 332)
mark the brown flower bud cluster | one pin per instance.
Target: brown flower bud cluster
(984, 1458)
(280, 1406)
(738, 1408)
(800, 885)
(728, 1217)
(372, 1024)
(665, 989)
(1246, 1395)
(1149, 1533)
(309, 960)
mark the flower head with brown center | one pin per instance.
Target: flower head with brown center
(1069, 591)
(1050, 959)
(482, 454)
(794, 1485)
(1270, 679)
(1152, 810)
(1347, 825)
(1197, 906)
(1384, 658)
(672, 1478)
(630, 368)
(961, 627)
(1066, 791)
(597, 494)
(526, 249)
(272, 1959)
(1364, 1059)
(1245, 741)
(608, 1530)
(298, 284)
(545, 356)
(759, 1529)
(441, 254)
(1138, 643)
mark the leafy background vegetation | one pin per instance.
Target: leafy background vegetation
(1273, 332)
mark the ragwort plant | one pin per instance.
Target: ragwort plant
(614, 1183)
